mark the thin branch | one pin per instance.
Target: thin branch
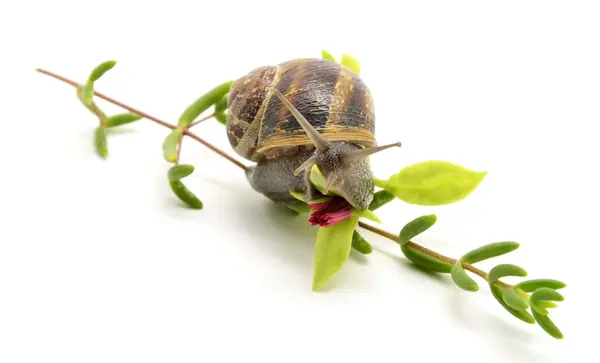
(149, 117)
(368, 227)
(202, 120)
(427, 251)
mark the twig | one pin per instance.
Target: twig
(149, 117)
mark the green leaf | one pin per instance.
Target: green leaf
(520, 314)
(489, 251)
(222, 104)
(318, 180)
(327, 56)
(549, 327)
(86, 94)
(461, 279)
(366, 214)
(185, 195)
(416, 227)
(532, 285)
(100, 70)
(351, 63)
(300, 197)
(432, 183)
(360, 244)
(332, 250)
(539, 308)
(297, 195)
(203, 103)
(424, 261)
(381, 198)
(513, 300)
(170, 145)
(547, 304)
(180, 171)
(546, 293)
(122, 119)
(100, 142)
(221, 117)
(505, 270)
(298, 207)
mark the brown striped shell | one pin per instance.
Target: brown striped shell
(332, 98)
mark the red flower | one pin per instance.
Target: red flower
(330, 212)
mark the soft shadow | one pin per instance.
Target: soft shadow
(231, 185)
(405, 263)
(500, 334)
(277, 231)
(359, 257)
(495, 329)
(114, 131)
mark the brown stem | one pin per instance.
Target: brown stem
(98, 113)
(368, 227)
(145, 115)
(202, 120)
(427, 251)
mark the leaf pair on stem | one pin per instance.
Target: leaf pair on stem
(515, 299)
(85, 93)
(171, 146)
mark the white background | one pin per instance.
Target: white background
(100, 263)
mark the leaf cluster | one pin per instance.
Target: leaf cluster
(528, 300)
(171, 146)
(85, 94)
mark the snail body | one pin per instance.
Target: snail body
(290, 116)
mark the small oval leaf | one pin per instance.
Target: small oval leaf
(547, 304)
(520, 314)
(180, 171)
(416, 227)
(549, 327)
(203, 103)
(122, 119)
(432, 183)
(100, 142)
(332, 250)
(489, 251)
(327, 56)
(185, 195)
(222, 104)
(100, 70)
(545, 294)
(221, 117)
(513, 300)
(170, 145)
(351, 63)
(532, 285)
(461, 279)
(300, 197)
(381, 198)
(86, 94)
(360, 244)
(299, 208)
(424, 261)
(505, 270)
(539, 308)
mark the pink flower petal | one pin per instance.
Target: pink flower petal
(330, 212)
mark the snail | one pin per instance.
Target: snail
(301, 113)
